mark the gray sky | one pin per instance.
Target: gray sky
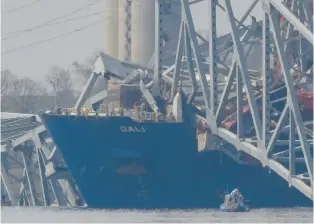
(35, 61)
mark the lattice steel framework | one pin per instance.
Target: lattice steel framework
(32, 171)
(281, 140)
(127, 30)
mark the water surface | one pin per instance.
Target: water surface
(68, 215)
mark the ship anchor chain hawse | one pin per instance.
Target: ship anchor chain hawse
(181, 116)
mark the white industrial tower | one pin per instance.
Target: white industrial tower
(130, 30)
(142, 30)
(112, 28)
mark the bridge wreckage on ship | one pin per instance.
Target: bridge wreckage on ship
(248, 95)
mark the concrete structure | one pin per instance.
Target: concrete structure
(112, 28)
(143, 31)
(137, 22)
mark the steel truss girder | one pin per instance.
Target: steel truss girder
(28, 172)
(86, 91)
(244, 72)
(266, 138)
(184, 49)
(213, 55)
(187, 16)
(291, 97)
(292, 19)
(34, 161)
(188, 51)
(159, 10)
(6, 183)
(41, 168)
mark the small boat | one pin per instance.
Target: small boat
(234, 202)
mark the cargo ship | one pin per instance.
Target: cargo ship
(133, 158)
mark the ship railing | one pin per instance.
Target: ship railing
(136, 114)
(142, 115)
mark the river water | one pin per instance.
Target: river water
(65, 215)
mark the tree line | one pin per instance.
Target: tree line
(59, 88)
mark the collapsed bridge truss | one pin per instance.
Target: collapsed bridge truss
(253, 87)
(274, 101)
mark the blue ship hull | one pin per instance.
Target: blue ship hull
(117, 162)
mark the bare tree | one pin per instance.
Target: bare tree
(20, 95)
(61, 82)
(29, 95)
(84, 70)
(27, 87)
(7, 77)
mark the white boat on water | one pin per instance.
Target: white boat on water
(234, 202)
